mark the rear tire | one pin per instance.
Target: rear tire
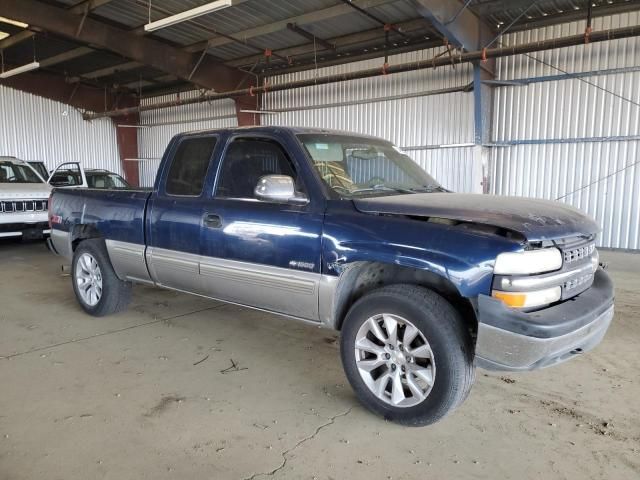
(418, 374)
(98, 289)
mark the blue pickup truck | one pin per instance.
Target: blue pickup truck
(346, 231)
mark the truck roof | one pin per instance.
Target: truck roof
(277, 129)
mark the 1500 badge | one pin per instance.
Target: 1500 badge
(303, 265)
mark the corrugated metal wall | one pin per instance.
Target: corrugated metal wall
(35, 128)
(537, 117)
(416, 122)
(168, 122)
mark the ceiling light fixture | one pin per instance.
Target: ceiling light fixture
(3, 35)
(188, 15)
(13, 22)
(22, 69)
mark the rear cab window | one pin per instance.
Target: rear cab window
(188, 169)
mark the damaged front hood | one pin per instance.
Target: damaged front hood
(535, 219)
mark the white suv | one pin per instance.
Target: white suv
(23, 200)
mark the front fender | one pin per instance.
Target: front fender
(467, 277)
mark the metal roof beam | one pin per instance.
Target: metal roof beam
(15, 39)
(54, 87)
(305, 18)
(78, 9)
(344, 40)
(339, 42)
(106, 72)
(209, 74)
(491, 7)
(310, 36)
(65, 56)
(456, 22)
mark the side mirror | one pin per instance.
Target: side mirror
(278, 188)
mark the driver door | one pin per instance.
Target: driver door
(264, 254)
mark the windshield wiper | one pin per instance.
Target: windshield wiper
(429, 189)
(382, 188)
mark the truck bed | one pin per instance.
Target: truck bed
(118, 214)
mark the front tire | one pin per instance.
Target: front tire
(98, 289)
(407, 354)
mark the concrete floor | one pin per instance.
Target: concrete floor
(149, 394)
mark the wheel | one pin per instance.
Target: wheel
(98, 289)
(407, 354)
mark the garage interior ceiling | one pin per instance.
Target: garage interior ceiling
(252, 37)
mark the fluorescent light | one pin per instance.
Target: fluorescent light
(3, 35)
(265, 112)
(13, 22)
(188, 15)
(18, 70)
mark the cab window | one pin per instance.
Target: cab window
(189, 166)
(246, 161)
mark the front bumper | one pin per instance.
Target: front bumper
(512, 340)
(29, 230)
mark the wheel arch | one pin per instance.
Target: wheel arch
(360, 278)
(81, 232)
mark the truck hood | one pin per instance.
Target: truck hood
(24, 190)
(535, 219)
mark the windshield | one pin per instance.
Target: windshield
(105, 180)
(357, 166)
(16, 173)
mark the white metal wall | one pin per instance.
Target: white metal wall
(536, 118)
(35, 128)
(416, 122)
(164, 124)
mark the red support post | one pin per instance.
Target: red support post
(247, 103)
(127, 138)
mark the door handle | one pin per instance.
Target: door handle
(212, 220)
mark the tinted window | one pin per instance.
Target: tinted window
(16, 173)
(248, 160)
(106, 180)
(189, 167)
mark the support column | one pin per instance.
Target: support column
(248, 103)
(465, 30)
(127, 139)
(482, 120)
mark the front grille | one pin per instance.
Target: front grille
(579, 253)
(19, 206)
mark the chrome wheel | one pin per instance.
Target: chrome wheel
(394, 360)
(88, 279)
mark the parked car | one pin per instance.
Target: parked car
(23, 200)
(39, 167)
(73, 175)
(346, 231)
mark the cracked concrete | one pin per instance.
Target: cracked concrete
(285, 454)
(126, 397)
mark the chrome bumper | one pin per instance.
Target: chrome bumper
(510, 340)
(59, 243)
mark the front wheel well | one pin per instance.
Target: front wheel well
(363, 277)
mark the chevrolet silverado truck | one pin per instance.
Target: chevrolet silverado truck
(23, 200)
(347, 232)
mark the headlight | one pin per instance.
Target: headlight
(528, 262)
(536, 298)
